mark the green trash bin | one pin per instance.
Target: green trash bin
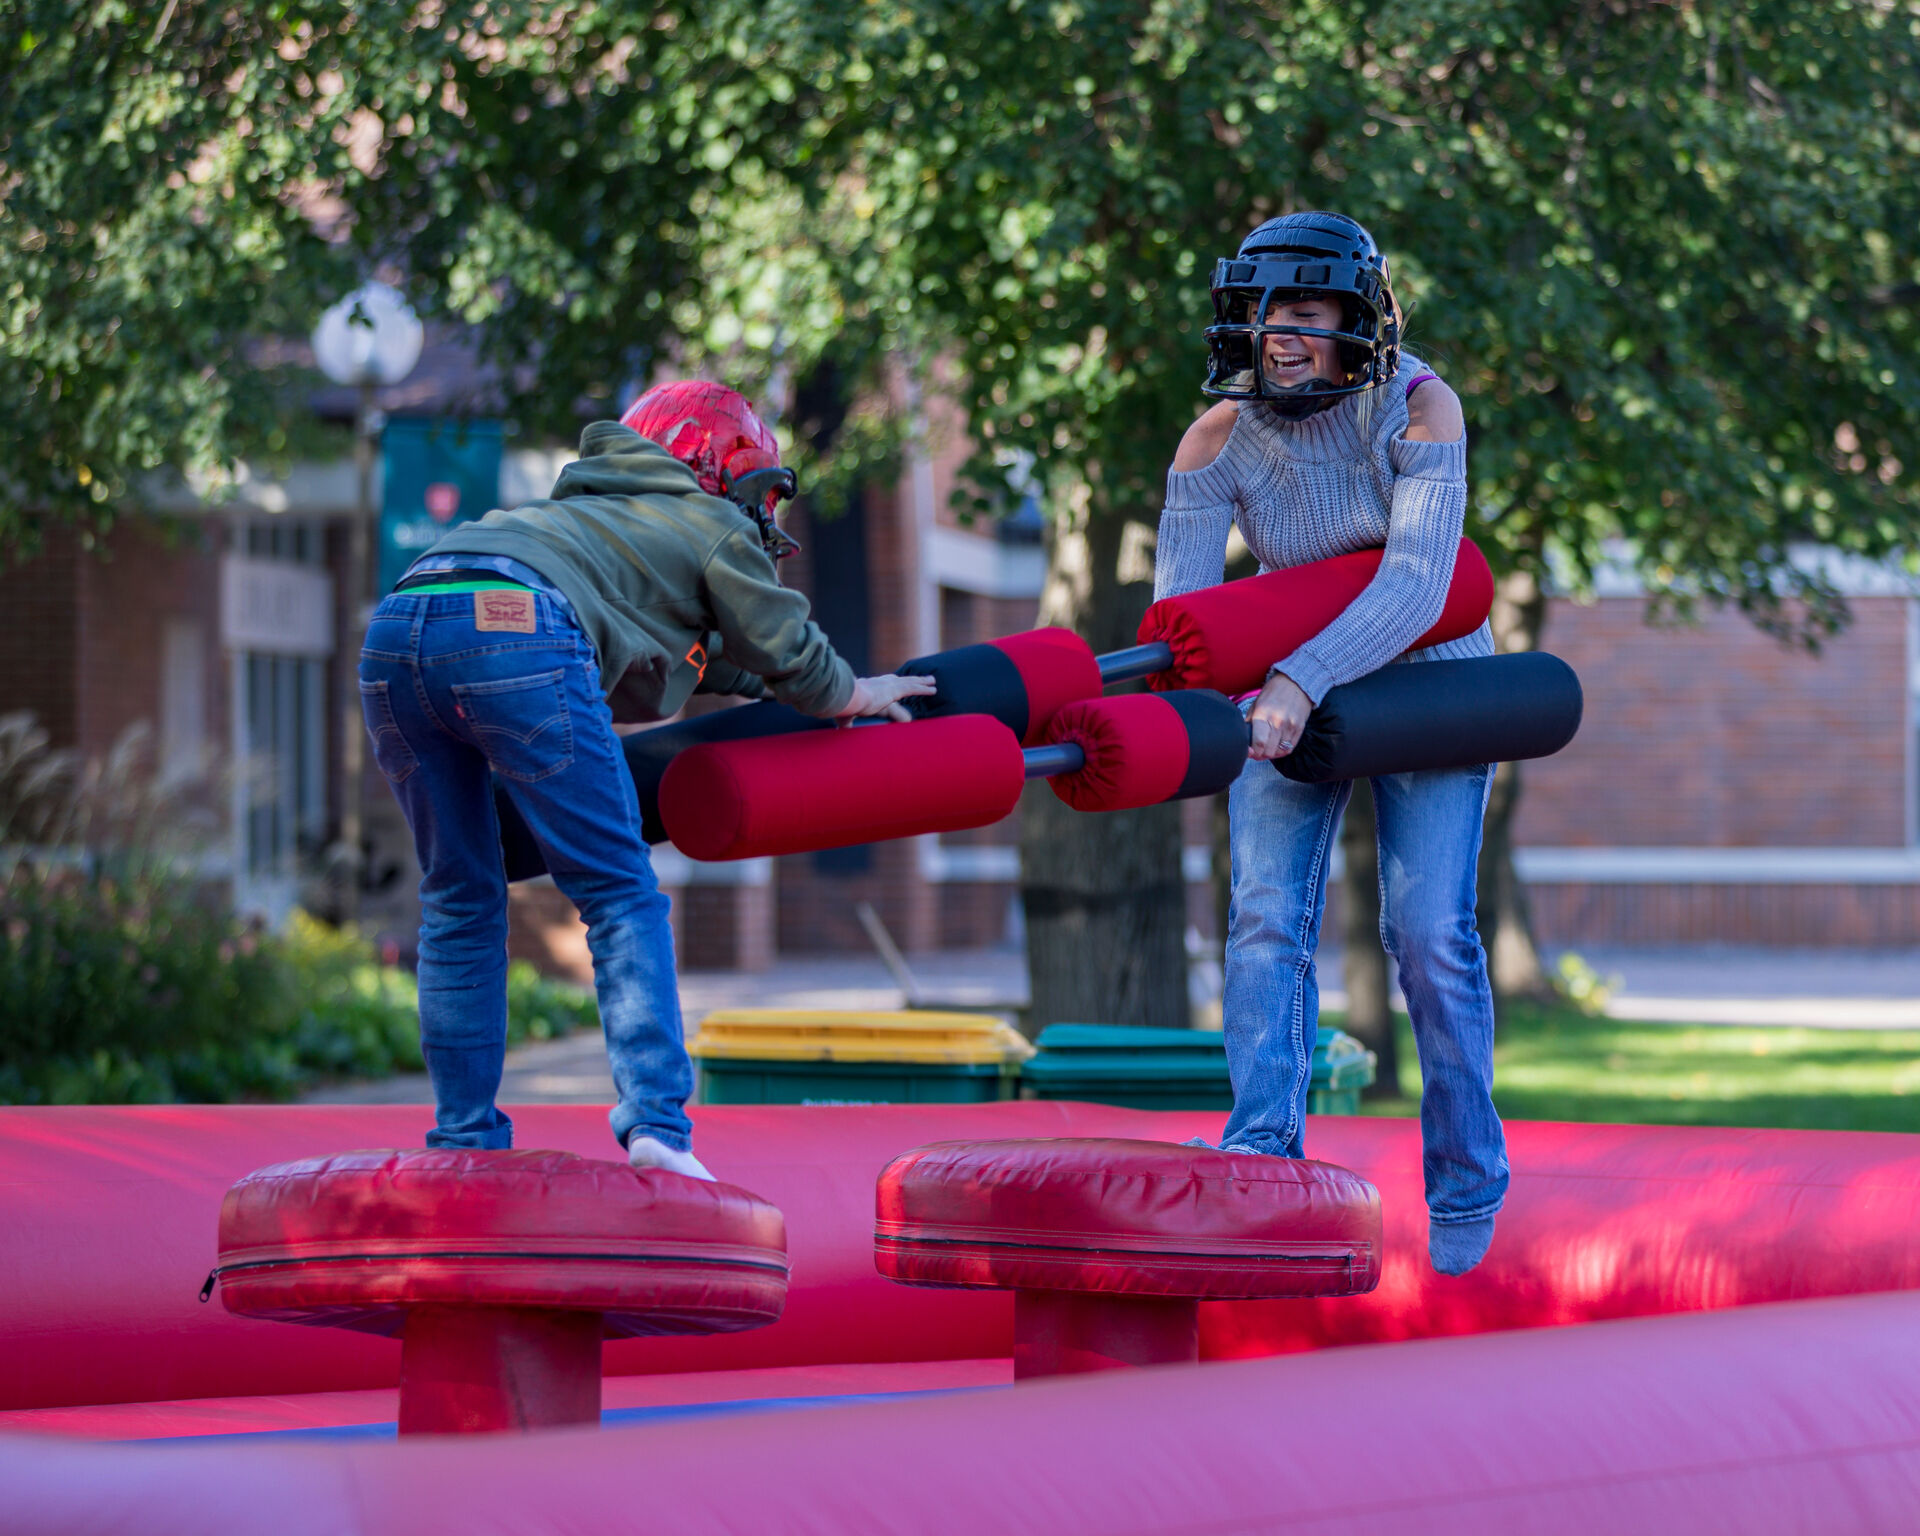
(813, 1056)
(1342, 1066)
(1176, 1068)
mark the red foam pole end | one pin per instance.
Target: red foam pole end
(1057, 667)
(1136, 751)
(1226, 637)
(831, 789)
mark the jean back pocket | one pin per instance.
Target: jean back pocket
(520, 724)
(390, 749)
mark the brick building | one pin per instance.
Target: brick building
(1723, 788)
(1726, 788)
(129, 628)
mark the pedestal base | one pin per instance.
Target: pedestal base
(1063, 1333)
(472, 1370)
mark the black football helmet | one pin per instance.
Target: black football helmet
(1298, 254)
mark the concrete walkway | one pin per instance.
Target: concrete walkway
(1803, 988)
(1823, 989)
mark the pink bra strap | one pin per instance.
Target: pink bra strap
(1417, 380)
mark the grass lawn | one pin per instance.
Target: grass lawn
(1555, 1063)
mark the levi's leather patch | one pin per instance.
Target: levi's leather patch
(504, 610)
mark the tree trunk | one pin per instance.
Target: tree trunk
(1369, 1011)
(1105, 903)
(1519, 616)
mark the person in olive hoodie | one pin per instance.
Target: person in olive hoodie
(510, 650)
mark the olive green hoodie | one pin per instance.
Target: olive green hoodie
(672, 585)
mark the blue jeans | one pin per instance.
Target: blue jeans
(447, 706)
(1429, 838)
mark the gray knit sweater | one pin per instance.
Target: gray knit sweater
(1346, 479)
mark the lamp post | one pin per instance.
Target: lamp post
(369, 339)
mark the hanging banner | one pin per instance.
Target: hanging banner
(437, 475)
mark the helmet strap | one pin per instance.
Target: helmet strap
(756, 493)
(777, 542)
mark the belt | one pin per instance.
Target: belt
(426, 583)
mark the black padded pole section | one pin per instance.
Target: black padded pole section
(647, 754)
(1216, 740)
(1439, 714)
(518, 850)
(973, 680)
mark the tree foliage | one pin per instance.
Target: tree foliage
(185, 187)
(1668, 255)
(563, 177)
(153, 178)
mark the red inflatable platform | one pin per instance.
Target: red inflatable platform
(500, 1272)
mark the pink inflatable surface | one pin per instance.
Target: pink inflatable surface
(1798, 1418)
(1725, 1416)
(110, 1217)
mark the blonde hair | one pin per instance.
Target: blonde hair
(1368, 400)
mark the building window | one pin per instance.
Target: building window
(279, 683)
(284, 748)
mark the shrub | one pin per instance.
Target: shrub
(129, 989)
(352, 1017)
(125, 979)
(358, 1018)
(119, 979)
(140, 993)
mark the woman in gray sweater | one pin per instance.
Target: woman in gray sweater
(1328, 439)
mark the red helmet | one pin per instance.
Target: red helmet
(714, 432)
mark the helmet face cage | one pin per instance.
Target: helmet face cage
(1285, 260)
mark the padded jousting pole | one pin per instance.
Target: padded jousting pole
(1440, 714)
(830, 789)
(1226, 637)
(1222, 638)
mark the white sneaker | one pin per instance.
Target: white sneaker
(651, 1152)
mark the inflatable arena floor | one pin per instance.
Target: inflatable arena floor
(1677, 1329)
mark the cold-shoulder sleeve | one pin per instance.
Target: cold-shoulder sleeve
(1405, 598)
(1191, 551)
